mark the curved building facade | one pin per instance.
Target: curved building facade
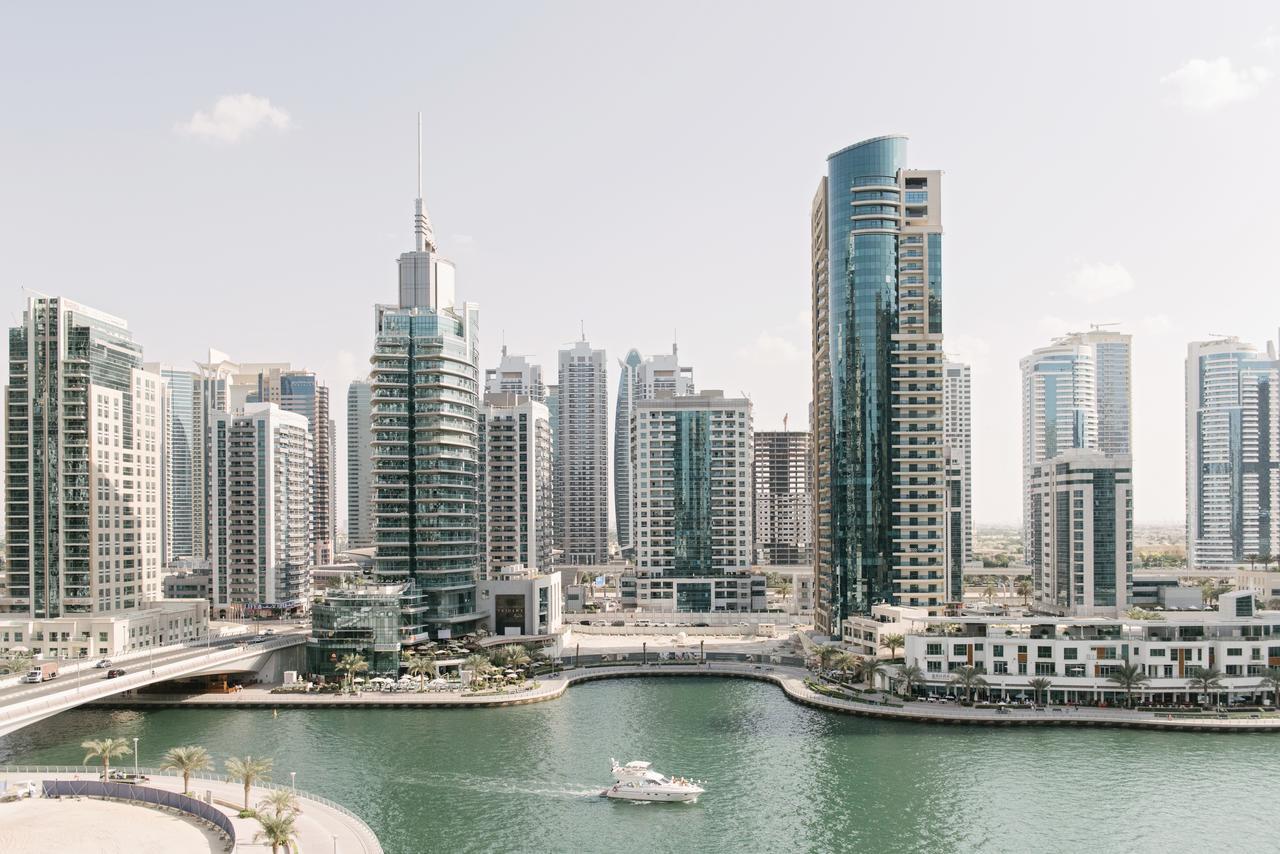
(877, 383)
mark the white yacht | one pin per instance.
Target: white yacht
(637, 781)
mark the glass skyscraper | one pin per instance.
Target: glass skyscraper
(424, 386)
(877, 297)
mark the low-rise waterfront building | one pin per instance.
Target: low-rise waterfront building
(1077, 655)
(362, 620)
(161, 623)
(865, 634)
(522, 601)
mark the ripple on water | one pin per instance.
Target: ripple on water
(782, 777)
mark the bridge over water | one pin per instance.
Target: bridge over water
(23, 704)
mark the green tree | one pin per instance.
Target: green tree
(249, 771)
(968, 679)
(989, 590)
(479, 665)
(909, 676)
(1040, 689)
(105, 749)
(512, 655)
(1023, 588)
(422, 666)
(278, 830)
(893, 643)
(1205, 680)
(1271, 680)
(351, 664)
(17, 661)
(869, 668)
(187, 760)
(1128, 678)
(280, 802)
(826, 655)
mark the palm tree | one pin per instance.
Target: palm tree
(869, 668)
(351, 664)
(105, 749)
(844, 662)
(989, 591)
(1271, 679)
(249, 771)
(422, 666)
(1039, 688)
(281, 802)
(186, 759)
(1023, 588)
(910, 676)
(1206, 680)
(478, 664)
(969, 679)
(893, 643)
(826, 655)
(1128, 678)
(512, 655)
(277, 830)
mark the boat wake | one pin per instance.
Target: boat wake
(506, 786)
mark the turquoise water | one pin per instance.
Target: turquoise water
(781, 777)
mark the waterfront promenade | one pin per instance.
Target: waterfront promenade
(322, 825)
(792, 681)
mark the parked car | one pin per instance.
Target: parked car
(115, 672)
(619, 622)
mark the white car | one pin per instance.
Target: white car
(104, 663)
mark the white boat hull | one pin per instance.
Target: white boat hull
(624, 793)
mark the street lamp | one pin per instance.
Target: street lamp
(135, 759)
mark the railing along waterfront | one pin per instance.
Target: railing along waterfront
(95, 771)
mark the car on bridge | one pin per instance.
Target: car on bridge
(115, 672)
(103, 664)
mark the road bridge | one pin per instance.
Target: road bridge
(23, 704)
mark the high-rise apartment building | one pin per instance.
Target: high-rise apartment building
(692, 505)
(260, 489)
(642, 378)
(957, 434)
(1075, 394)
(1082, 533)
(517, 482)
(582, 455)
(359, 466)
(178, 469)
(877, 338)
(302, 393)
(425, 399)
(1233, 452)
(83, 446)
(516, 375)
(782, 498)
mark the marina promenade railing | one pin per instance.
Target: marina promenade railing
(93, 772)
(142, 794)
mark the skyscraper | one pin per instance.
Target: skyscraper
(517, 482)
(302, 393)
(1233, 452)
(515, 375)
(877, 338)
(692, 505)
(83, 457)
(782, 498)
(1075, 394)
(425, 384)
(359, 466)
(260, 471)
(582, 454)
(957, 434)
(1082, 533)
(179, 476)
(642, 378)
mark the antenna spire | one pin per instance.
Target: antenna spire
(423, 240)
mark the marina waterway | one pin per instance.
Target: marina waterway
(780, 776)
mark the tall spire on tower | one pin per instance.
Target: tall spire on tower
(422, 237)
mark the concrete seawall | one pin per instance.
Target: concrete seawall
(790, 680)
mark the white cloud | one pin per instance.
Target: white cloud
(771, 348)
(1271, 40)
(1157, 324)
(233, 117)
(1095, 283)
(1207, 84)
(969, 349)
(1053, 326)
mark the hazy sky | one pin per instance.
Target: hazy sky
(241, 176)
